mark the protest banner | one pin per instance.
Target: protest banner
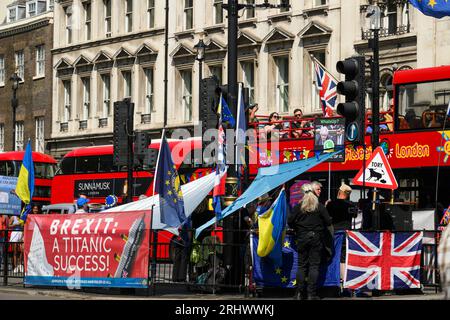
(10, 203)
(88, 250)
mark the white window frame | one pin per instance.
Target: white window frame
(19, 136)
(151, 13)
(108, 26)
(67, 100)
(149, 91)
(68, 21)
(188, 10)
(20, 64)
(286, 9)
(50, 4)
(31, 13)
(127, 84)
(2, 137)
(315, 97)
(250, 12)
(40, 61)
(86, 82)
(186, 89)
(87, 6)
(12, 18)
(2, 70)
(106, 91)
(281, 85)
(217, 67)
(248, 78)
(128, 16)
(218, 11)
(40, 138)
(319, 3)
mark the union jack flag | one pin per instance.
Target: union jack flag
(383, 260)
(326, 85)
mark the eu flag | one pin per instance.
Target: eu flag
(433, 8)
(168, 186)
(25, 182)
(225, 112)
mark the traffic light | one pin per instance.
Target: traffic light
(141, 143)
(354, 90)
(120, 137)
(208, 107)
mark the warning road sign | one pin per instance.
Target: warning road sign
(378, 172)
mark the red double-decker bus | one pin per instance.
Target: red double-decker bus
(414, 135)
(90, 171)
(44, 171)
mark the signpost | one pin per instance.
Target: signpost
(378, 172)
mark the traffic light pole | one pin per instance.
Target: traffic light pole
(231, 254)
(130, 159)
(376, 113)
(375, 91)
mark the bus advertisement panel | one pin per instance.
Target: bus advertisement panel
(403, 150)
(88, 250)
(10, 203)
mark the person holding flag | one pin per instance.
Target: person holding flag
(25, 183)
(309, 219)
(167, 184)
(24, 190)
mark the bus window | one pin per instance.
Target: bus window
(67, 166)
(6, 168)
(87, 165)
(423, 105)
(44, 170)
(106, 164)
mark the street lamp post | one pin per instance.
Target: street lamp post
(14, 103)
(200, 47)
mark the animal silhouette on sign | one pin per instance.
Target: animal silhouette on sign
(376, 175)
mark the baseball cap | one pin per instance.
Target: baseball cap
(82, 201)
(345, 188)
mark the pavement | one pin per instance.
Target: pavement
(170, 293)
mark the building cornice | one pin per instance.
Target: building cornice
(25, 27)
(107, 41)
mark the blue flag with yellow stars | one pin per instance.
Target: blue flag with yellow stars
(168, 186)
(267, 274)
(433, 8)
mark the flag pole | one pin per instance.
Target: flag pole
(325, 68)
(153, 233)
(439, 157)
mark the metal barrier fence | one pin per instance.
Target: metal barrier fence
(200, 266)
(12, 268)
(203, 266)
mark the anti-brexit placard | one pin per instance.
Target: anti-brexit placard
(87, 250)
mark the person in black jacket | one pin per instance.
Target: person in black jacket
(309, 219)
(342, 211)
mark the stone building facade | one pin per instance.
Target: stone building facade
(26, 40)
(103, 53)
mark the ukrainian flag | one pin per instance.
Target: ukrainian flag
(25, 182)
(271, 226)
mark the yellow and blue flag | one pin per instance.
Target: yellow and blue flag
(25, 182)
(432, 8)
(271, 225)
(168, 185)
